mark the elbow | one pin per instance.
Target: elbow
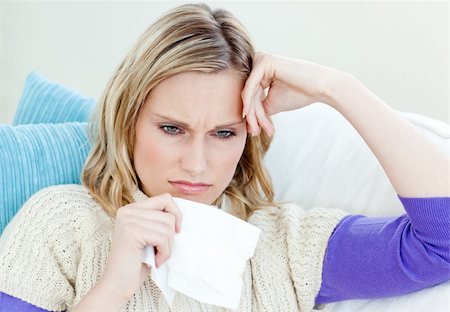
(423, 259)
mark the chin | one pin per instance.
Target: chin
(196, 198)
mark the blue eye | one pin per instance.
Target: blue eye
(171, 130)
(225, 134)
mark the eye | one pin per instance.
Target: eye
(169, 129)
(225, 134)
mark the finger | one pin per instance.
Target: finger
(266, 81)
(167, 232)
(159, 240)
(139, 215)
(251, 120)
(138, 237)
(260, 112)
(268, 106)
(252, 82)
(164, 228)
(163, 202)
(141, 233)
(163, 252)
(249, 130)
(263, 121)
(143, 213)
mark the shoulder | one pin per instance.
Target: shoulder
(67, 198)
(41, 247)
(296, 239)
(296, 225)
(60, 194)
(58, 209)
(293, 215)
(317, 217)
(303, 235)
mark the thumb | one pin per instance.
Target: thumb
(269, 106)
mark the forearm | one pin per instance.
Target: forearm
(415, 165)
(99, 298)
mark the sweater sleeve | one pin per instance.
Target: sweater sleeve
(381, 257)
(11, 304)
(38, 257)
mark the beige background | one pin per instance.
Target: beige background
(398, 49)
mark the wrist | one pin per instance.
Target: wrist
(101, 297)
(337, 87)
(109, 291)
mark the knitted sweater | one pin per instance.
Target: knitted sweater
(56, 248)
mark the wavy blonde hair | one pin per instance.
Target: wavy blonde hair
(190, 37)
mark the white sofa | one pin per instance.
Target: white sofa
(318, 159)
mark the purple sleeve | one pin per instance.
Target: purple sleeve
(381, 257)
(12, 304)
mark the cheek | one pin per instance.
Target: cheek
(229, 158)
(147, 150)
(150, 153)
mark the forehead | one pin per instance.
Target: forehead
(188, 92)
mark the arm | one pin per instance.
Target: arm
(12, 304)
(95, 300)
(100, 298)
(415, 165)
(379, 257)
(133, 230)
(367, 257)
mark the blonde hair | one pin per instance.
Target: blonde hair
(190, 37)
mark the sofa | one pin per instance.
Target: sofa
(316, 159)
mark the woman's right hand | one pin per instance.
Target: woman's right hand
(152, 221)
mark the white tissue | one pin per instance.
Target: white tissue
(209, 256)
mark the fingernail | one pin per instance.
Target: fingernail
(243, 114)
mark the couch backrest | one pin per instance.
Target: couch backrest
(318, 159)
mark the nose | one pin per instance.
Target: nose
(194, 157)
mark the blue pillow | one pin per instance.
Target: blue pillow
(47, 145)
(43, 101)
(33, 157)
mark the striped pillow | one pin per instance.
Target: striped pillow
(33, 157)
(43, 101)
(47, 145)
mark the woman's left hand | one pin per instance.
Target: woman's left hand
(291, 84)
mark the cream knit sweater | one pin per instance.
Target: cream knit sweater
(56, 247)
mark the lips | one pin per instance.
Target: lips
(190, 188)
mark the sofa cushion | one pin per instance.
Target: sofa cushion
(317, 158)
(33, 157)
(43, 101)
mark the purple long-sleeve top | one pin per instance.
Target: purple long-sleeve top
(372, 257)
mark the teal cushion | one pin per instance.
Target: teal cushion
(33, 157)
(43, 101)
(47, 145)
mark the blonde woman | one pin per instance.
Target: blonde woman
(182, 116)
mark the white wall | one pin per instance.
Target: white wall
(398, 49)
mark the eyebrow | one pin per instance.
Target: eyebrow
(186, 126)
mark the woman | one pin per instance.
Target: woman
(173, 121)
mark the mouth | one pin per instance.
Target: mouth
(190, 188)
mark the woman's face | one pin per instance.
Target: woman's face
(190, 135)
